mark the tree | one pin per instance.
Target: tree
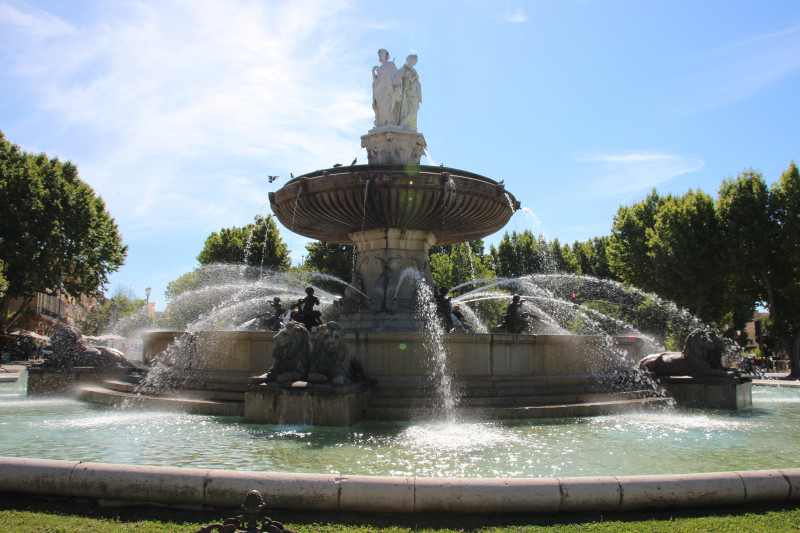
(3, 282)
(55, 234)
(561, 258)
(519, 254)
(629, 249)
(763, 227)
(673, 246)
(258, 244)
(686, 253)
(455, 264)
(109, 313)
(330, 258)
(592, 258)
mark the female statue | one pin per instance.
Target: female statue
(385, 97)
(411, 94)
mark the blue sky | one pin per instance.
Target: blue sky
(176, 111)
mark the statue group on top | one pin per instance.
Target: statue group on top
(396, 93)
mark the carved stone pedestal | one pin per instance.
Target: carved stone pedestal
(708, 392)
(302, 403)
(392, 145)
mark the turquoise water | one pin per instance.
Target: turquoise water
(649, 442)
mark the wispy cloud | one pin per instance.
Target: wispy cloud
(221, 93)
(741, 69)
(517, 16)
(631, 172)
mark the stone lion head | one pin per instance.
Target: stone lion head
(704, 348)
(291, 350)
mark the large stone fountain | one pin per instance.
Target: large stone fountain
(393, 210)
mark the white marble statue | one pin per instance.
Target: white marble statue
(385, 95)
(411, 94)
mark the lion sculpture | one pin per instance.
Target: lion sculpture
(291, 351)
(70, 350)
(330, 358)
(701, 356)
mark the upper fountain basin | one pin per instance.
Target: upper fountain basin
(456, 206)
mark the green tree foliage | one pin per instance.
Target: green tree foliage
(521, 254)
(3, 282)
(330, 258)
(762, 226)
(108, 313)
(55, 234)
(629, 246)
(592, 258)
(686, 248)
(455, 264)
(673, 246)
(562, 259)
(185, 283)
(258, 244)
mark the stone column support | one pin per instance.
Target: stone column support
(384, 257)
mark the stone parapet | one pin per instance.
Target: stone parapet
(336, 492)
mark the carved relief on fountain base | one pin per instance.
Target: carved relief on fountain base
(392, 145)
(389, 262)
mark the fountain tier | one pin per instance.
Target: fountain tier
(334, 204)
(393, 214)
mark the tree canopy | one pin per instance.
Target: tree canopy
(719, 258)
(108, 314)
(762, 228)
(455, 264)
(330, 258)
(55, 233)
(674, 246)
(258, 244)
(521, 254)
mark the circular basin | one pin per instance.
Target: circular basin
(456, 206)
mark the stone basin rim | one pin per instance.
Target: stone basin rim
(333, 204)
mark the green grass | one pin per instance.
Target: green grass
(31, 514)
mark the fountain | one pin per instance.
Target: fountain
(470, 393)
(393, 209)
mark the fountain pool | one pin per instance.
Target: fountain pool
(645, 442)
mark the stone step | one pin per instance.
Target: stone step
(102, 396)
(524, 384)
(518, 413)
(511, 401)
(380, 391)
(208, 394)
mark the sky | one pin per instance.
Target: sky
(175, 112)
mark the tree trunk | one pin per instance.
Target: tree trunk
(3, 313)
(791, 344)
(5, 321)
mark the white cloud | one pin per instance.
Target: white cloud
(742, 69)
(184, 108)
(517, 16)
(625, 173)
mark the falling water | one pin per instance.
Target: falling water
(434, 333)
(258, 221)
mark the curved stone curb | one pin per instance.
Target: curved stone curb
(331, 492)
